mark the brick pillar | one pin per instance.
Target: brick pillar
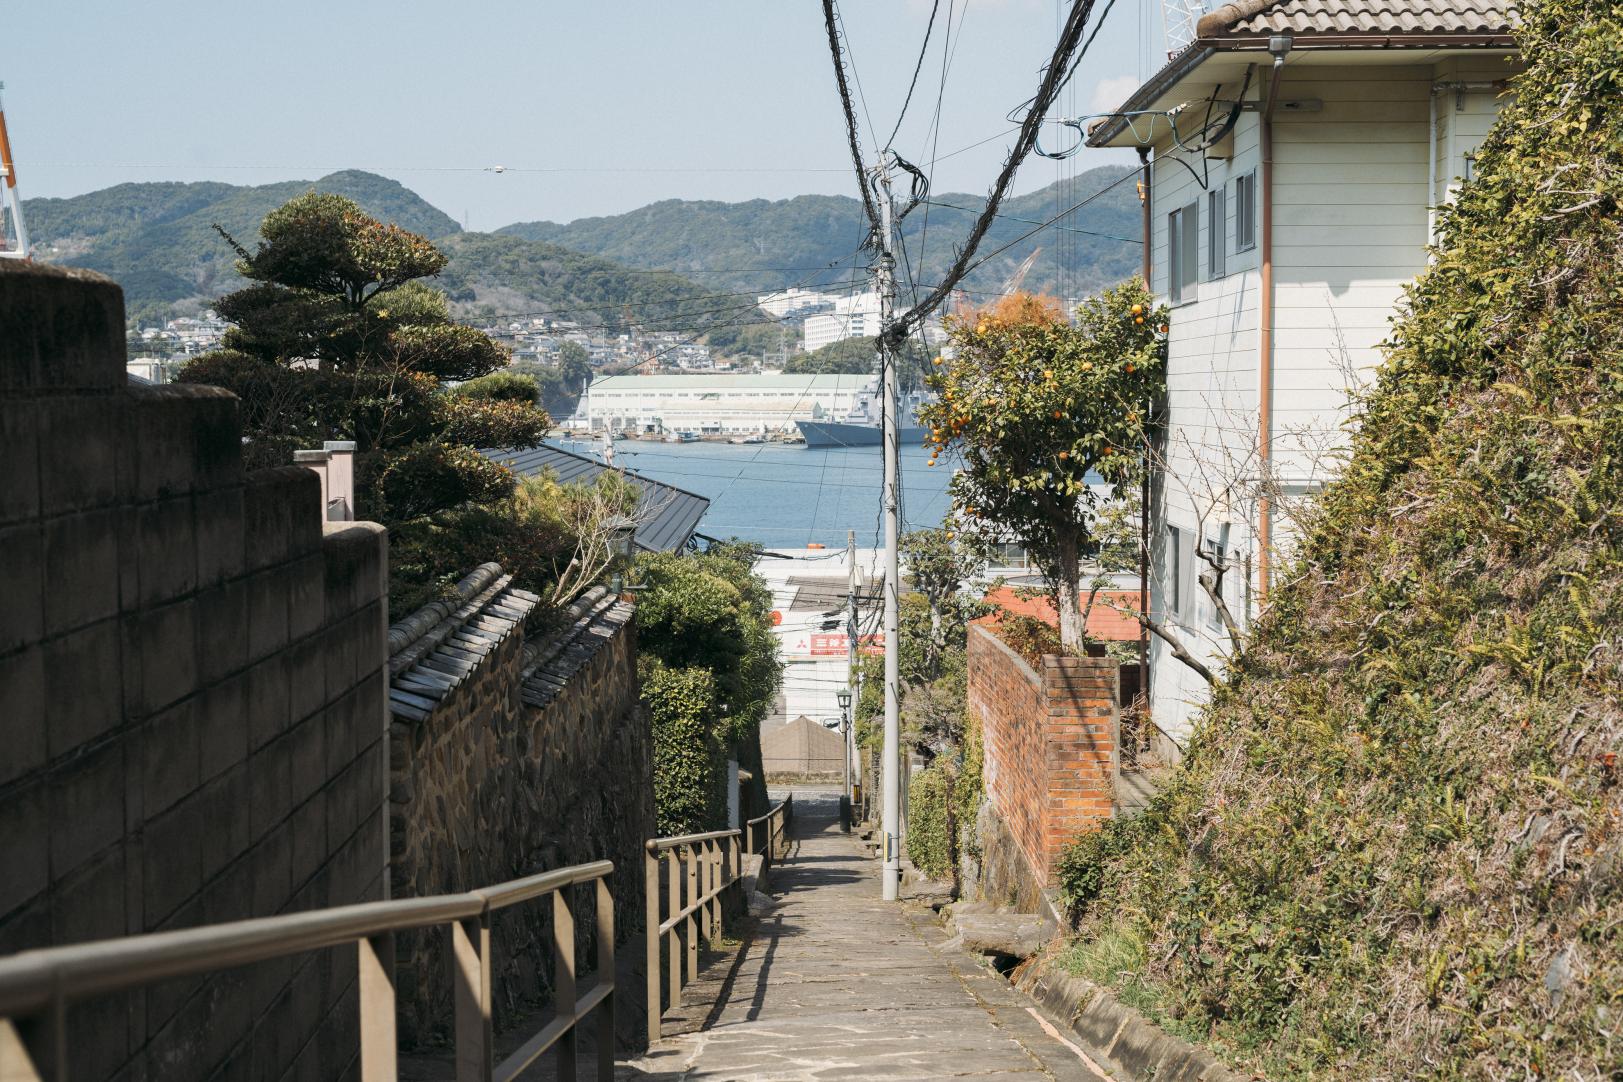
(1082, 695)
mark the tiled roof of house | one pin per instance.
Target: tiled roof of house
(550, 661)
(666, 515)
(1250, 18)
(1106, 622)
(435, 649)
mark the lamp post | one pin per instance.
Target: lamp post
(622, 531)
(843, 695)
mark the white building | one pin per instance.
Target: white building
(782, 303)
(1282, 244)
(717, 404)
(809, 599)
(856, 316)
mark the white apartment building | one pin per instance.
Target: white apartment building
(717, 403)
(794, 299)
(1282, 237)
(856, 316)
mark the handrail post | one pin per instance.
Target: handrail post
(693, 917)
(563, 979)
(605, 972)
(375, 981)
(651, 934)
(470, 974)
(674, 885)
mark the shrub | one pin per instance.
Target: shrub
(970, 788)
(505, 385)
(689, 760)
(930, 821)
(1029, 637)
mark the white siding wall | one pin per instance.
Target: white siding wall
(1211, 402)
(1350, 213)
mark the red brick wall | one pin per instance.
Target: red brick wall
(1050, 741)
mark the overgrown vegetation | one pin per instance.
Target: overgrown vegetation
(1394, 849)
(710, 670)
(929, 820)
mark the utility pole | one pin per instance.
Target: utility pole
(852, 626)
(890, 765)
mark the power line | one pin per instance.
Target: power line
(1050, 222)
(1054, 74)
(918, 67)
(1033, 232)
(850, 116)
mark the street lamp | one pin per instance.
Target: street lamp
(843, 696)
(622, 531)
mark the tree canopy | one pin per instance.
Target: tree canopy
(1041, 412)
(337, 338)
(709, 614)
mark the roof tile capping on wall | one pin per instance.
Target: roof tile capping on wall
(1050, 741)
(192, 693)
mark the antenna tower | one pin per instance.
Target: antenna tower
(13, 243)
(1179, 17)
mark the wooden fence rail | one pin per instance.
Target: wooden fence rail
(687, 883)
(707, 865)
(39, 986)
(768, 834)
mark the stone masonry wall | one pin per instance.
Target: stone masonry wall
(490, 787)
(191, 695)
(1050, 742)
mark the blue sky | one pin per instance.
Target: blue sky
(592, 107)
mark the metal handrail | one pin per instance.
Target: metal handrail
(43, 983)
(713, 865)
(659, 845)
(777, 820)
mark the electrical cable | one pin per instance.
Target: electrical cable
(918, 67)
(1032, 232)
(1049, 88)
(1034, 221)
(850, 117)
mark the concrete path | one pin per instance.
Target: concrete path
(836, 984)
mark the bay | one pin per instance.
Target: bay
(787, 495)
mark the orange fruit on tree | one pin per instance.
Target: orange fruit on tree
(1138, 309)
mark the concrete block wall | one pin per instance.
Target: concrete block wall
(192, 694)
(1050, 743)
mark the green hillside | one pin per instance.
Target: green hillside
(764, 244)
(1395, 849)
(158, 240)
(511, 276)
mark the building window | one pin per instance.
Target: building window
(1183, 244)
(1216, 234)
(1245, 211)
(1174, 572)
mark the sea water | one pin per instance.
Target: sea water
(789, 495)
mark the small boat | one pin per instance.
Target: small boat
(682, 437)
(747, 439)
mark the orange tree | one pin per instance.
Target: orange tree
(1048, 419)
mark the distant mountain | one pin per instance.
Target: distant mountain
(764, 245)
(158, 240)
